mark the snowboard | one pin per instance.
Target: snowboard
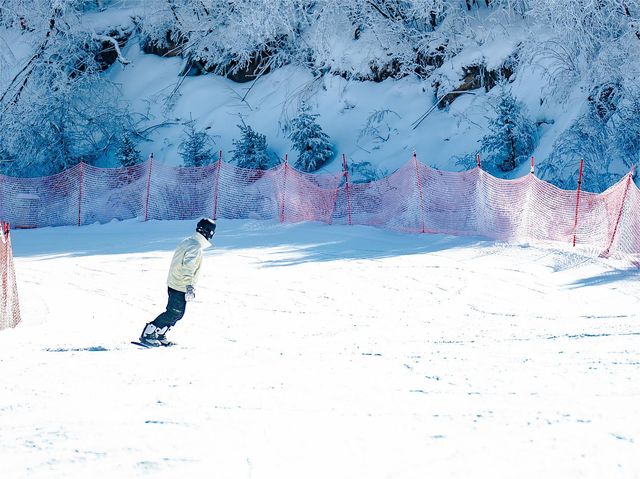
(149, 346)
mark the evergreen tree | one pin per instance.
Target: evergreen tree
(251, 150)
(512, 134)
(127, 152)
(195, 148)
(311, 143)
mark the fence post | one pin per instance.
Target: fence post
(284, 187)
(419, 184)
(346, 176)
(575, 224)
(215, 200)
(80, 193)
(4, 273)
(624, 198)
(2, 200)
(146, 205)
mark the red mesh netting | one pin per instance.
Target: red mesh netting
(9, 307)
(176, 193)
(415, 198)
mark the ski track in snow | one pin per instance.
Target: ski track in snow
(319, 352)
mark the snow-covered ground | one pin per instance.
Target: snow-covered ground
(319, 351)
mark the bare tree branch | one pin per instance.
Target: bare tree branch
(30, 63)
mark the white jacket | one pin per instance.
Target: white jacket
(186, 262)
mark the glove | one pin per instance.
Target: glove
(190, 295)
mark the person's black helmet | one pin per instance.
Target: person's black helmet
(206, 227)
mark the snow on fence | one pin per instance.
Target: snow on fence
(9, 307)
(416, 198)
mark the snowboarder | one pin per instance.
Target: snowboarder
(183, 276)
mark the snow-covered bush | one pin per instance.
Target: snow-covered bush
(228, 37)
(511, 136)
(251, 151)
(196, 146)
(370, 40)
(312, 144)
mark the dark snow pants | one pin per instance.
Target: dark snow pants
(175, 310)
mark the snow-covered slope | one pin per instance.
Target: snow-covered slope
(219, 105)
(345, 107)
(318, 351)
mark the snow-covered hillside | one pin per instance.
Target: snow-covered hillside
(318, 351)
(344, 108)
(385, 78)
(381, 123)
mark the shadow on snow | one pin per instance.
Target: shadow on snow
(283, 244)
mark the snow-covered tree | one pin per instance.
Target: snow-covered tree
(586, 140)
(250, 151)
(591, 44)
(628, 129)
(196, 146)
(607, 132)
(312, 144)
(55, 109)
(59, 120)
(511, 136)
(127, 152)
(592, 25)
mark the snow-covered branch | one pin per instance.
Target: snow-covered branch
(116, 47)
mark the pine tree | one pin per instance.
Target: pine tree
(512, 134)
(311, 143)
(251, 150)
(127, 153)
(195, 148)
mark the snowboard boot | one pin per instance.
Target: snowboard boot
(161, 332)
(150, 335)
